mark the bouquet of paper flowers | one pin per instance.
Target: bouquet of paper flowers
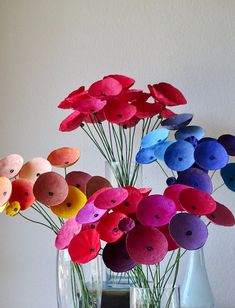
(130, 227)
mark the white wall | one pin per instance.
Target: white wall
(48, 48)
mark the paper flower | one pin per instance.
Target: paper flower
(50, 188)
(67, 232)
(10, 165)
(188, 231)
(167, 94)
(73, 202)
(13, 208)
(88, 242)
(64, 157)
(22, 192)
(5, 190)
(32, 169)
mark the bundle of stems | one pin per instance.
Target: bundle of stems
(116, 144)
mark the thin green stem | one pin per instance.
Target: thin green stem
(218, 188)
(44, 213)
(162, 168)
(91, 136)
(35, 222)
(213, 173)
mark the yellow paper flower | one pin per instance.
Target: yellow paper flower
(71, 205)
(13, 208)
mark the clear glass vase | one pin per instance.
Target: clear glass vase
(195, 291)
(169, 297)
(78, 286)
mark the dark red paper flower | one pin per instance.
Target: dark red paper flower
(130, 95)
(146, 110)
(167, 113)
(171, 243)
(166, 94)
(130, 123)
(222, 216)
(197, 202)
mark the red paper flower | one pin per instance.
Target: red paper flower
(22, 191)
(107, 87)
(73, 121)
(131, 122)
(96, 117)
(89, 105)
(85, 246)
(119, 112)
(125, 81)
(108, 227)
(66, 103)
(129, 205)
